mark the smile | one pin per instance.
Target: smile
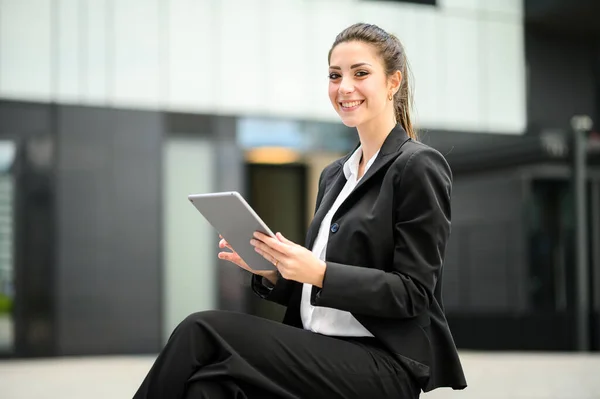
(351, 105)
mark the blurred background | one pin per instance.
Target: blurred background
(113, 111)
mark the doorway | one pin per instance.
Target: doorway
(278, 193)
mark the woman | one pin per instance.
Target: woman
(364, 309)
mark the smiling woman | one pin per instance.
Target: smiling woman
(364, 311)
(376, 67)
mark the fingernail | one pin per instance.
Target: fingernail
(252, 242)
(255, 234)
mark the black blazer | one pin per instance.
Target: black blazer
(385, 255)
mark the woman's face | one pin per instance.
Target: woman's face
(358, 85)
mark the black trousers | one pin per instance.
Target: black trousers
(218, 354)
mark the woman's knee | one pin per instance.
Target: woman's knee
(199, 318)
(208, 318)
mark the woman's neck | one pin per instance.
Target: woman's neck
(372, 134)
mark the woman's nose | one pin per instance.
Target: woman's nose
(346, 87)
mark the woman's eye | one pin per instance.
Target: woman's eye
(333, 76)
(362, 73)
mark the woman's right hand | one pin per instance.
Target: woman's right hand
(234, 258)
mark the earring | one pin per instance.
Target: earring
(390, 96)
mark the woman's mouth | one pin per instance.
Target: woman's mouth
(348, 106)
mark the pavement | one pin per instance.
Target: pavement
(491, 375)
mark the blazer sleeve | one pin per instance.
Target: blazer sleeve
(281, 292)
(421, 230)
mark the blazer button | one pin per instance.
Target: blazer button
(335, 227)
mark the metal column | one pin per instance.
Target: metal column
(581, 126)
(595, 219)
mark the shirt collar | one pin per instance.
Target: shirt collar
(351, 165)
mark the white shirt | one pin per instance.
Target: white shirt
(323, 320)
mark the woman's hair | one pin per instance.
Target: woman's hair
(392, 53)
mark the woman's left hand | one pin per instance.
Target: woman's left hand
(293, 261)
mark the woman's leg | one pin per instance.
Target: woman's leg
(286, 361)
(224, 389)
(189, 347)
(208, 390)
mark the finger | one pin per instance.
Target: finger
(229, 256)
(225, 244)
(272, 243)
(261, 236)
(267, 256)
(283, 239)
(268, 253)
(235, 259)
(266, 247)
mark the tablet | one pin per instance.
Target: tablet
(236, 221)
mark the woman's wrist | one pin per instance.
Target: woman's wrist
(320, 274)
(270, 275)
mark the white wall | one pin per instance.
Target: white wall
(260, 57)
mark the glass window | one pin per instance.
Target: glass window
(551, 245)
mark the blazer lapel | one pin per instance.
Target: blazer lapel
(388, 152)
(326, 204)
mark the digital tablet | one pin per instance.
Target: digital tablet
(236, 221)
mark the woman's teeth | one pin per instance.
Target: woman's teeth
(351, 104)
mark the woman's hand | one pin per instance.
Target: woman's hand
(293, 261)
(233, 257)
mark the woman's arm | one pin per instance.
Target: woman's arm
(421, 231)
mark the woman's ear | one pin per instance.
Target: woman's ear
(395, 81)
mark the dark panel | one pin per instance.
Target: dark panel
(136, 173)
(84, 196)
(561, 80)
(21, 118)
(30, 126)
(565, 16)
(531, 331)
(35, 261)
(183, 123)
(489, 267)
(108, 278)
(485, 261)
